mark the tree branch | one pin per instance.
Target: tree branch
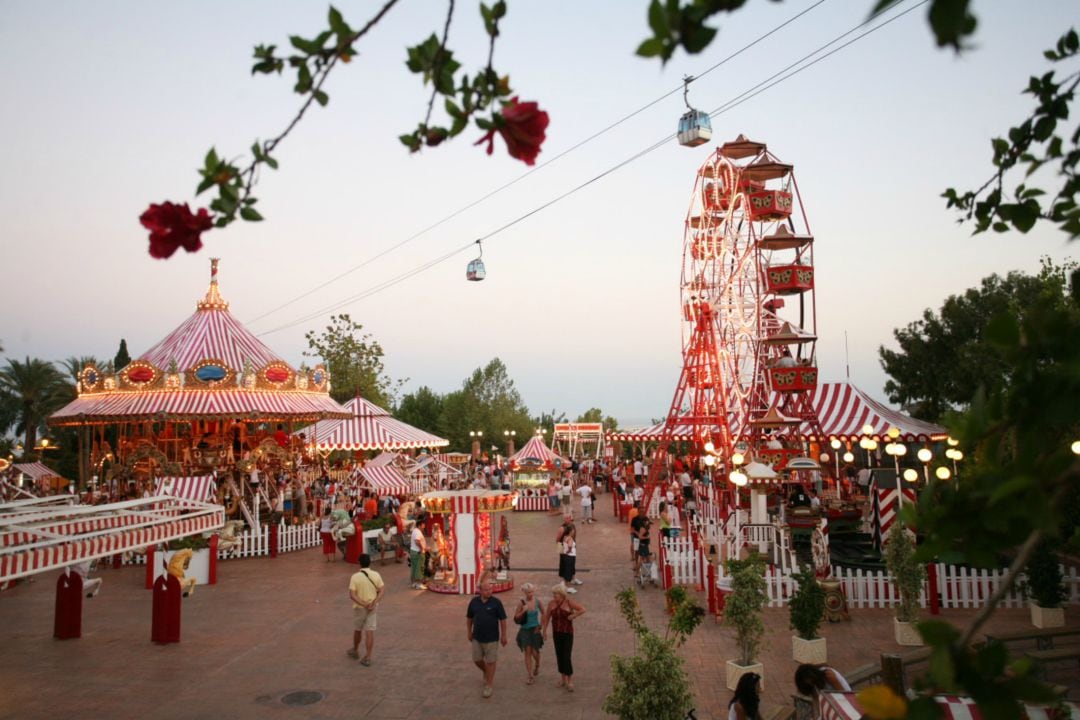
(439, 63)
(991, 602)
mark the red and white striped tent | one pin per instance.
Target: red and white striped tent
(201, 488)
(35, 538)
(384, 480)
(37, 471)
(537, 449)
(652, 433)
(368, 427)
(211, 367)
(843, 410)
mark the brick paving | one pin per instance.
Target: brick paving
(271, 627)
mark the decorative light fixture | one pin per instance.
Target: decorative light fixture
(709, 447)
(867, 429)
(738, 478)
(942, 473)
(738, 459)
(849, 457)
(835, 444)
(911, 475)
(710, 460)
(925, 456)
(1076, 447)
(953, 442)
(893, 432)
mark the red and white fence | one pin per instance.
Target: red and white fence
(251, 544)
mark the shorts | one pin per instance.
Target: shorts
(554, 500)
(486, 652)
(586, 511)
(363, 619)
(634, 543)
(530, 637)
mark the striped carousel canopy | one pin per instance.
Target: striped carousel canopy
(384, 480)
(369, 427)
(201, 488)
(537, 449)
(210, 367)
(36, 471)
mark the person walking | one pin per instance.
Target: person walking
(561, 613)
(417, 552)
(365, 590)
(586, 493)
(530, 639)
(326, 527)
(813, 679)
(485, 624)
(564, 498)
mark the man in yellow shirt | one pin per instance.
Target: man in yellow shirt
(365, 590)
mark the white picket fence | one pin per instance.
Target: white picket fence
(290, 539)
(958, 587)
(686, 562)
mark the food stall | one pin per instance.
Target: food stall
(473, 545)
(531, 470)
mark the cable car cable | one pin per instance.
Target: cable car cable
(530, 171)
(735, 102)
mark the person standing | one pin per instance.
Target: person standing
(561, 613)
(485, 624)
(639, 470)
(530, 616)
(326, 527)
(417, 551)
(564, 498)
(568, 566)
(586, 494)
(365, 590)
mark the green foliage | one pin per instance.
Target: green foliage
(355, 362)
(908, 574)
(1045, 583)
(191, 542)
(122, 358)
(653, 683)
(422, 409)
(807, 604)
(30, 391)
(596, 415)
(944, 358)
(743, 607)
(1030, 146)
(487, 402)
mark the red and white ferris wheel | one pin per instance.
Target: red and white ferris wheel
(748, 311)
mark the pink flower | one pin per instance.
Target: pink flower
(522, 126)
(172, 225)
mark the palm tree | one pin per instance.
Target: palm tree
(29, 392)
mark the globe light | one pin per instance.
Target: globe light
(710, 460)
(738, 477)
(868, 429)
(1076, 447)
(890, 449)
(958, 454)
(893, 432)
(951, 454)
(738, 459)
(899, 449)
(871, 445)
(864, 443)
(709, 447)
(953, 442)
(925, 455)
(911, 475)
(942, 473)
(824, 457)
(835, 444)
(848, 457)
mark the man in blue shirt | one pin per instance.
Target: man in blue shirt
(485, 621)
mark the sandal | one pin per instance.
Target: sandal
(531, 680)
(569, 687)
(366, 662)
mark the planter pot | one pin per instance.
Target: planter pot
(198, 567)
(906, 633)
(736, 671)
(1047, 617)
(812, 652)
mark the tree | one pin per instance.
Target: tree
(945, 357)
(122, 358)
(30, 391)
(487, 402)
(422, 409)
(355, 362)
(596, 415)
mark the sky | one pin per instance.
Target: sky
(111, 106)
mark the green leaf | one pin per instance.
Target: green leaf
(303, 80)
(250, 214)
(658, 21)
(452, 109)
(321, 97)
(211, 162)
(206, 184)
(270, 161)
(304, 45)
(338, 24)
(651, 47)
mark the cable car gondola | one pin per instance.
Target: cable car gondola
(474, 271)
(695, 128)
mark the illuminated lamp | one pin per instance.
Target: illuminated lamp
(835, 444)
(893, 432)
(867, 429)
(1076, 447)
(953, 442)
(848, 457)
(738, 478)
(738, 459)
(710, 460)
(942, 473)
(924, 455)
(910, 475)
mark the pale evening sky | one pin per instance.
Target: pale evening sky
(110, 106)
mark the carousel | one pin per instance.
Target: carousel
(210, 399)
(531, 471)
(471, 548)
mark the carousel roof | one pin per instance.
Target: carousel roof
(369, 427)
(210, 367)
(538, 449)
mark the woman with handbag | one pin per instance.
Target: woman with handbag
(529, 615)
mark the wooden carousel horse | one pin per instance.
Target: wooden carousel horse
(228, 541)
(177, 566)
(502, 549)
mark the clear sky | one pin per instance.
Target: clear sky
(110, 106)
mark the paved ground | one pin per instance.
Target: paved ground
(273, 627)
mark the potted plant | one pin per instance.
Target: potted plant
(742, 611)
(908, 576)
(807, 607)
(653, 684)
(1045, 587)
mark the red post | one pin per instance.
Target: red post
(150, 569)
(117, 561)
(932, 589)
(165, 621)
(273, 540)
(67, 620)
(214, 540)
(710, 583)
(355, 544)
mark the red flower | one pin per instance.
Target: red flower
(172, 226)
(522, 126)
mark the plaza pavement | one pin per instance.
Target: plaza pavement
(272, 627)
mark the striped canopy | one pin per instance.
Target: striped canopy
(201, 488)
(36, 470)
(537, 449)
(369, 427)
(211, 367)
(385, 480)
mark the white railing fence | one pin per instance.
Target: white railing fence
(256, 544)
(685, 560)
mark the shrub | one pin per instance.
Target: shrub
(907, 573)
(1045, 583)
(742, 610)
(807, 605)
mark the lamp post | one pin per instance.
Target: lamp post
(925, 456)
(738, 479)
(954, 454)
(477, 436)
(896, 450)
(509, 435)
(836, 445)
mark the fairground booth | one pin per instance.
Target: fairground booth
(531, 470)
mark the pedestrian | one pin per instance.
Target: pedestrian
(635, 519)
(326, 527)
(365, 590)
(553, 496)
(586, 494)
(569, 555)
(387, 542)
(417, 552)
(530, 639)
(485, 623)
(812, 679)
(564, 498)
(746, 703)
(561, 612)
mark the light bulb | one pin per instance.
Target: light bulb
(848, 457)
(899, 449)
(867, 429)
(942, 473)
(738, 459)
(871, 445)
(925, 455)
(709, 447)
(890, 449)
(710, 460)
(958, 454)
(1076, 447)
(893, 432)
(835, 444)
(950, 453)
(953, 442)
(824, 457)
(739, 478)
(910, 475)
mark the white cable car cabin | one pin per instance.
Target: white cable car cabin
(695, 128)
(475, 271)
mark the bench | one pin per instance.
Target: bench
(1043, 637)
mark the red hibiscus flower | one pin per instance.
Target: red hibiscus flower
(522, 126)
(172, 226)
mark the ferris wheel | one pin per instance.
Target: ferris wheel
(748, 306)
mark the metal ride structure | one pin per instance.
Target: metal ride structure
(748, 318)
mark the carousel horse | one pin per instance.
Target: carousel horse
(177, 566)
(228, 541)
(343, 528)
(502, 549)
(442, 550)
